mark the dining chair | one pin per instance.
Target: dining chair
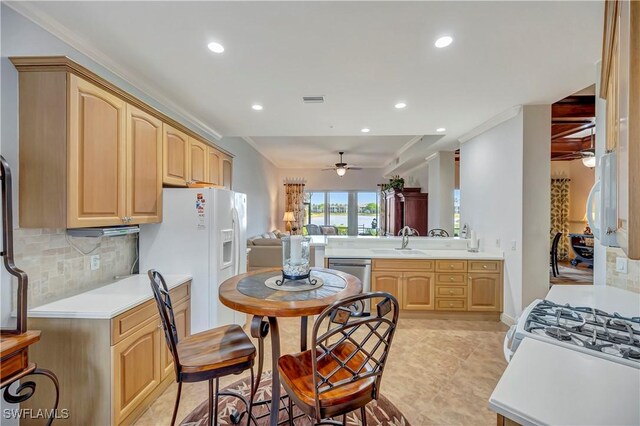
(343, 369)
(553, 254)
(437, 232)
(207, 355)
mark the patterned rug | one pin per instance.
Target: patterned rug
(380, 413)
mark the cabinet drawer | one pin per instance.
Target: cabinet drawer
(451, 291)
(451, 265)
(131, 320)
(484, 265)
(402, 265)
(454, 278)
(451, 305)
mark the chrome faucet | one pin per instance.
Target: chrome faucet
(406, 232)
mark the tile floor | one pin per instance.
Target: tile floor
(439, 372)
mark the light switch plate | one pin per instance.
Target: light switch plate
(621, 265)
(514, 245)
(95, 262)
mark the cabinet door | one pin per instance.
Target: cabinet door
(175, 153)
(136, 369)
(182, 315)
(197, 161)
(418, 291)
(97, 157)
(144, 167)
(389, 282)
(227, 172)
(485, 292)
(215, 168)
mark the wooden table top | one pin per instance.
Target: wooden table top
(247, 293)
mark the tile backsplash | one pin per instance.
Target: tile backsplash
(56, 270)
(629, 281)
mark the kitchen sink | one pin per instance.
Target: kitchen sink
(395, 252)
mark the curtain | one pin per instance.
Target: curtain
(294, 202)
(560, 215)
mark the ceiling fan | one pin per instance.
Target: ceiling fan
(588, 155)
(342, 167)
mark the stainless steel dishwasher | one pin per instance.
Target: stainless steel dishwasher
(360, 268)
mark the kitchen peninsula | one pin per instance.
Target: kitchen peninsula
(434, 277)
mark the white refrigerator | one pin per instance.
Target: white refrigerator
(203, 233)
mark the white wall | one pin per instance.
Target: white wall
(536, 203)
(491, 198)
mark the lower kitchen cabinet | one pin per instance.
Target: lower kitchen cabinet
(389, 282)
(121, 365)
(485, 292)
(418, 291)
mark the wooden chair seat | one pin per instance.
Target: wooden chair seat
(296, 372)
(215, 349)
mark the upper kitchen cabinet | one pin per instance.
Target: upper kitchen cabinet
(176, 157)
(620, 86)
(214, 158)
(198, 161)
(144, 166)
(227, 171)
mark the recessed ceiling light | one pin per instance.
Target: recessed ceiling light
(365, 130)
(400, 105)
(443, 41)
(257, 107)
(215, 47)
(440, 129)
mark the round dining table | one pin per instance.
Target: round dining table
(249, 294)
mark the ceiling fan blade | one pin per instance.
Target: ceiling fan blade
(354, 168)
(331, 168)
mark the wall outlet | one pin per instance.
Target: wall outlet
(621, 265)
(95, 262)
(514, 245)
(498, 242)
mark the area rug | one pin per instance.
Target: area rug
(379, 413)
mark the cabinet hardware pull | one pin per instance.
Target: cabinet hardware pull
(484, 266)
(451, 278)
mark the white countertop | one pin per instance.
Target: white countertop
(105, 302)
(606, 298)
(391, 253)
(546, 384)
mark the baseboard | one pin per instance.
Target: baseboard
(506, 319)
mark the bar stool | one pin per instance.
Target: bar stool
(343, 369)
(208, 355)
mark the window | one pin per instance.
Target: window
(352, 212)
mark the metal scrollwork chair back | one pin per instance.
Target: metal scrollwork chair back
(165, 307)
(437, 232)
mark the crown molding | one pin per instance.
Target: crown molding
(491, 123)
(45, 21)
(257, 147)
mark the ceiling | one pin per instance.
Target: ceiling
(573, 122)
(362, 56)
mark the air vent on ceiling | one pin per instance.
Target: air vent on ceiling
(313, 99)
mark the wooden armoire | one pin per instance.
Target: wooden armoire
(406, 207)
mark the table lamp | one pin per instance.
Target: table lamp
(288, 217)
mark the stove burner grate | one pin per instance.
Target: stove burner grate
(558, 333)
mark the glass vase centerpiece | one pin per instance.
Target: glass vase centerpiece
(295, 259)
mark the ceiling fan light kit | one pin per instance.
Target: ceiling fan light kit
(341, 167)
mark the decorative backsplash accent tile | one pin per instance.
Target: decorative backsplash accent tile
(56, 270)
(629, 281)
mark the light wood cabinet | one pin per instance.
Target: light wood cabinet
(215, 166)
(227, 172)
(485, 292)
(442, 284)
(418, 291)
(389, 282)
(176, 155)
(97, 156)
(198, 163)
(144, 167)
(120, 366)
(136, 368)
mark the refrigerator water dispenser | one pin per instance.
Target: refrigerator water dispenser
(226, 236)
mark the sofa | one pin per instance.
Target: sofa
(266, 251)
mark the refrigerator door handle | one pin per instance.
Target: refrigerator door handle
(236, 245)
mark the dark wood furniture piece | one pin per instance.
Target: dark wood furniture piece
(408, 207)
(582, 246)
(15, 342)
(207, 355)
(343, 369)
(247, 293)
(553, 254)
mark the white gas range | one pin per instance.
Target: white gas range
(599, 321)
